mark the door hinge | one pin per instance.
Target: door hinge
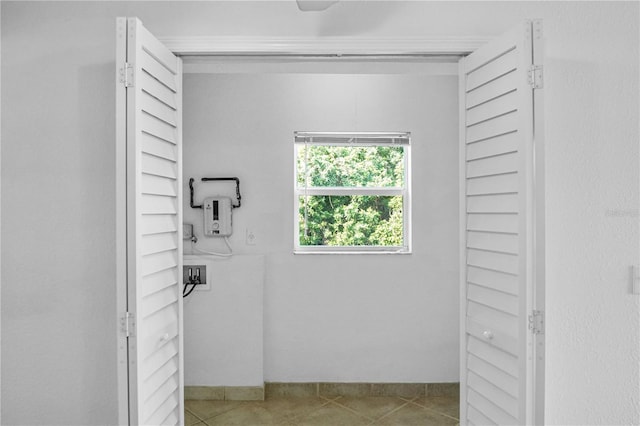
(126, 74)
(535, 76)
(128, 324)
(536, 322)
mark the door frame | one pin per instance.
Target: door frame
(336, 47)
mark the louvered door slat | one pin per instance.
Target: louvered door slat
(496, 414)
(494, 375)
(158, 147)
(497, 123)
(160, 394)
(475, 417)
(157, 166)
(165, 409)
(158, 224)
(494, 319)
(494, 68)
(493, 203)
(159, 281)
(491, 166)
(492, 89)
(493, 184)
(491, 147)
(158, 71)
(493, 222)
(159, 51)
(497, 396)
(159, 358)
(153, 263)
(156, 301)
(160, 376)
(154, 227)
(158, 90)
(494, 356)
(493, 108)
(504, 243)
(158, 243)
(153, 204)
(492, 337)
(158, 185)
(507, 283)
(172, 418)
(157, 128)
(151, 106)
(498, 300)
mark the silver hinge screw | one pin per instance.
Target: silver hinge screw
(535, 76)
(126, 75)
(127, 324)
(536, 322)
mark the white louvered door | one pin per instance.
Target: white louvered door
(152, 80)
(498, 372)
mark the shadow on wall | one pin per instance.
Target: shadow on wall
(338, 19)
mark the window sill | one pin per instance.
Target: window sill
(366, 252)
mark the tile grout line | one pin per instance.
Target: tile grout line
(394, 410)
(352, 410)
(432, 410)
(326, 402)
(194, 414)
(442, 414)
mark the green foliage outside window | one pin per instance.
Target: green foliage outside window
(350, 220)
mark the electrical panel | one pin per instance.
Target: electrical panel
(217, 217)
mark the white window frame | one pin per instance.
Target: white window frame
(403, 139)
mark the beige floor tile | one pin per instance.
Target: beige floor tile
(248, 415)
(373, 407)
(190, 419)
(441, 404)
(208, 409)
(412, 414)
(332, 415)
(335, 411)
(295, 407)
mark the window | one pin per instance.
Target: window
(352, 192)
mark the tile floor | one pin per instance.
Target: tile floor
(347, 411)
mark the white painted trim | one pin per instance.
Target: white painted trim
(539, 242)
(180, 243)
(405, 192)
(342, 191)
(121, 222)
(462, 237)
(436, 45)
(395, 65)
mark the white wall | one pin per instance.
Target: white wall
(353, 318)
(223, 326)
(58, 227)
(58, 341)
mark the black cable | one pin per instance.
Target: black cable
(235, 179)
(193, 287)
(191, 198)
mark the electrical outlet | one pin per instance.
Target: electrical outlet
(196, 273)
(251, 237)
